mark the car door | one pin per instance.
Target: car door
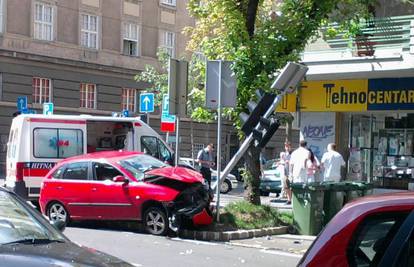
(73, 189)
(111, 200)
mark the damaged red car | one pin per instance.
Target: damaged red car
(125, 186)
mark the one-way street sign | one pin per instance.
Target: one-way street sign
(146, 102)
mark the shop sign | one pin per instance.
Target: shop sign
(288, 103)
(357, 95)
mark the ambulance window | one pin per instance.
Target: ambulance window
(149, 146)
(57, 143)
(165, 153)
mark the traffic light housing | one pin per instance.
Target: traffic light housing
(257, 110)
(268, 127)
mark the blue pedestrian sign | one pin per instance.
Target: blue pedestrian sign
(47, 108)
(146, 102)
(22, 103)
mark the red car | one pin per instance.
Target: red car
(371, 231)
(125, 186)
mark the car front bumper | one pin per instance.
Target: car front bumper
(271, 186)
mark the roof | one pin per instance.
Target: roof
(80, 117)
(103, 154)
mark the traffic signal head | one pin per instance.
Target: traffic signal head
(268, 127)
(257, 110)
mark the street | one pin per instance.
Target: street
(146, 250)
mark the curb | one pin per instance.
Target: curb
(231, 235)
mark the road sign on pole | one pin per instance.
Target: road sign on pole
(47, 108)
(220, 75)
(178, 87)
(146, 102)
(21, 103)
(167, 120)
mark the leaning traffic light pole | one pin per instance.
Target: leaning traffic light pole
(257, 126)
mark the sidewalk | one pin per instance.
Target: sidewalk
(295, 244)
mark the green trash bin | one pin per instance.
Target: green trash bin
(333, 200)
(358, 189)
(307, 204)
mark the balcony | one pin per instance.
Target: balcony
(377, 38)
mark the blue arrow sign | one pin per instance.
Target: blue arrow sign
(21, 103)
(146, 102)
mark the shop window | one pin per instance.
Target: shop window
(41, 90)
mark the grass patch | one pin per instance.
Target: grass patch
(244, 215)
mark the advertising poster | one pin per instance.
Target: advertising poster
(318, 129)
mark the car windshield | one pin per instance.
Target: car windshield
(19, 225)
(140, 164)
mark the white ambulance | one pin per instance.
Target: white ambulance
(37, 142)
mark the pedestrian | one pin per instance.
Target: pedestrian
(312, 167)
(205, 160)
(332, 162)
(284, 160)
(297, 169)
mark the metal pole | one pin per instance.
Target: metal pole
(245, 145)
(177, 138)
(147, 118)
(218, 147)
(167, 135)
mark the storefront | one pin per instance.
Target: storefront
(371, 120)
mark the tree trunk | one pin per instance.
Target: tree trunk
(252, 192)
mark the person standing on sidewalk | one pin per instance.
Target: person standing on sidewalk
(297, 169)
(284, 160)
(312, 167)
(205, 160)
(332, 162)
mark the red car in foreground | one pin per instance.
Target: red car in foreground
(125, 186)
(371, 231)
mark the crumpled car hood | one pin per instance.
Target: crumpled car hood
(178, 173)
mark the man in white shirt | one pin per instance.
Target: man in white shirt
(297, 161)
(332, 162)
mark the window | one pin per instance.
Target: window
(41, 90)
(103, 171)
(76, 171)
(169, 2)
(130, 39)
(43, 22)
(87, 95)
(154, 147)
(89, 31)
(169, 43)
(373, 237)
(129, 99)
(58, 173)
(57, 143)
(2, 16)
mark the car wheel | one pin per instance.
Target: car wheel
(57, 212)
(225, 187)
(156, 221)
(264, 194)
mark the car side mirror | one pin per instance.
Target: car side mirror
(59, 225)
(120, 179)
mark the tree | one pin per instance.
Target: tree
(260, 36)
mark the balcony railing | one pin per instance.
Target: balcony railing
(375, 34)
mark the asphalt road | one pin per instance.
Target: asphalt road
(146, 250)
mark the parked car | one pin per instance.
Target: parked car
(370, 231)
(228, 184)
(271, 181)
(28, 239)
(120, 185)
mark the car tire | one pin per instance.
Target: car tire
(264, 194)
(156, 221)
(56, 211)
(225, 187)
